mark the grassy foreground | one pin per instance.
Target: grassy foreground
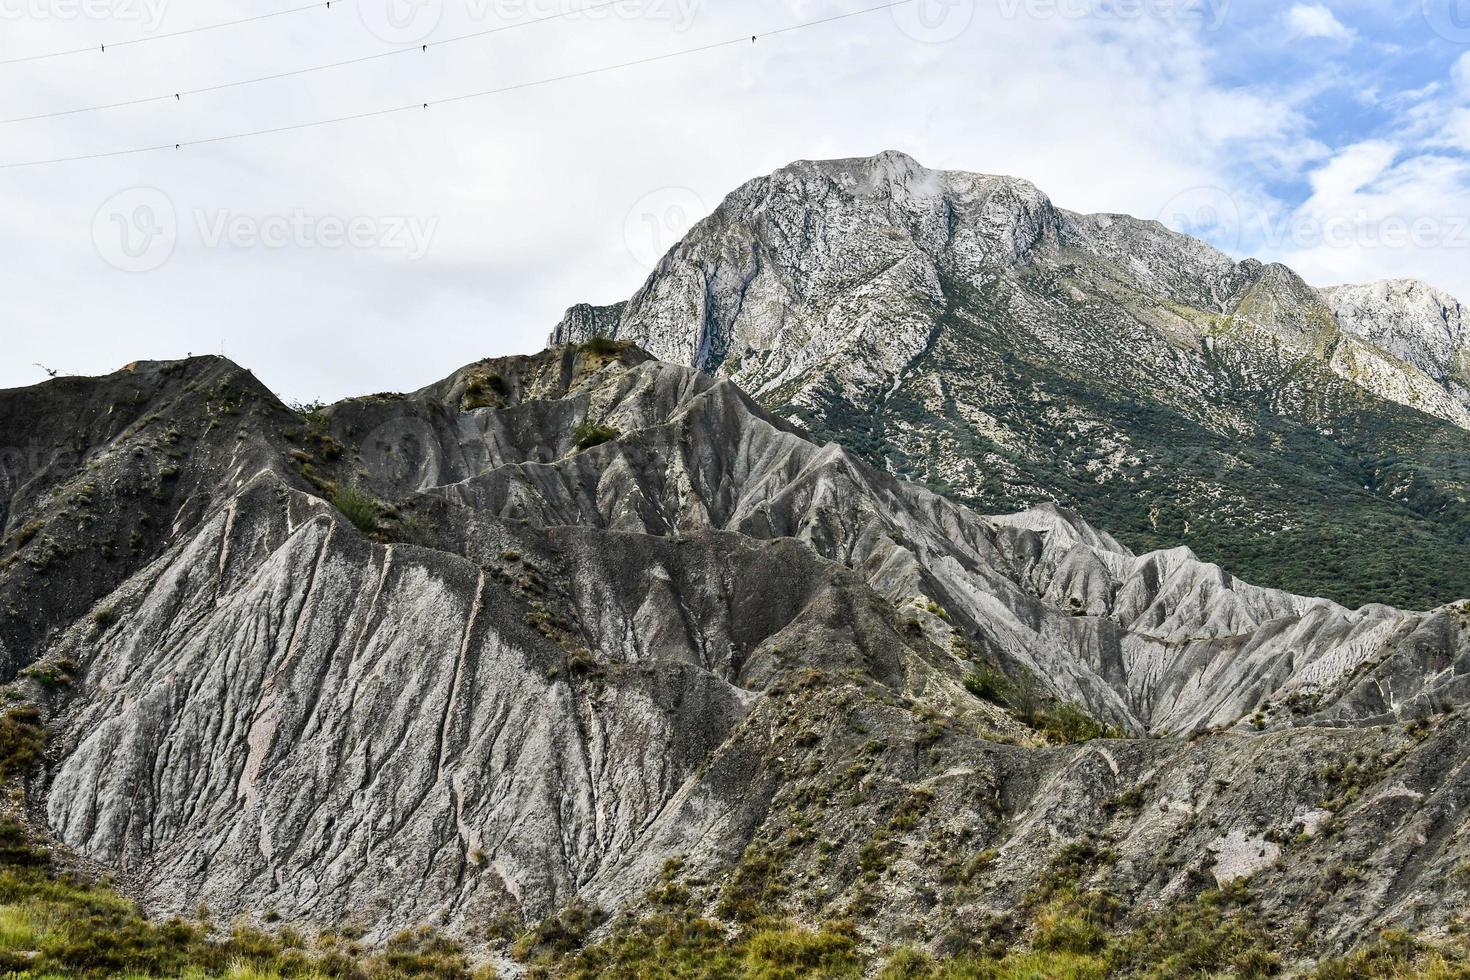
(54, 924)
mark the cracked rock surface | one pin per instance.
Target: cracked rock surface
(605, 611)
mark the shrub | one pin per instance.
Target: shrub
(105, 617)
(483, 391)
(359, 507)
(1070, 725)
(1395, 956)
(603, 346)
(754, 888)
(787, 953)
(907, 964)
(417, 529)
(989, 684)
(563, 933)
(27, 533)
(22, 740)
(587, 435)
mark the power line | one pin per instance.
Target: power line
(417, 48)
(743, 39)
(95, 48)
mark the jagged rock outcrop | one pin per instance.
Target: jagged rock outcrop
(1409, 319)
(1417, 325)
(595, 611)
(961, 330)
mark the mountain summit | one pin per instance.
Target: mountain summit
(961, 330)
(587, 663)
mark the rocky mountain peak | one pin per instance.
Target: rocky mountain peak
(1412, 320)
(961, 329)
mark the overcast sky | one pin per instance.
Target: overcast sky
(381, 254)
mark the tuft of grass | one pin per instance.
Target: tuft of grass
(358, 506)
(484, 391)
(561, 934)
(603, 346)
(28, 532)
(588, 435)
(1061, 721)
(22, 740)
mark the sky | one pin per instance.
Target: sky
(382, 253)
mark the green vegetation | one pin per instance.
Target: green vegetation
(55, 923)
(587, 435)
(1344, 495)
(1397, 956)
(1074, 933)
(22, 740)
(603, 346)
(28, 532)
(358, 506)
(1060, 721)
(484, 391)
(314, 412)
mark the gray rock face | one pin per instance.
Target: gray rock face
(1412, 321)
(961, 330)
(552, 668)
(848, 260)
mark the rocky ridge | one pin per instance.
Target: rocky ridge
(518, 639)
(961, 330)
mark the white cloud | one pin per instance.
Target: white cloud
(1457, 130)
(1461, 74)
(1377, 212)
(532, 191)
(1316, 20)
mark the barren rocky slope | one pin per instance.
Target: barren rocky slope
(962, 331)
(469, 655)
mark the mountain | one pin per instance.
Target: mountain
(1413, 322)
(962, 331)
(584, 634)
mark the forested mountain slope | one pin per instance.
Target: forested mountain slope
(962, 331)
